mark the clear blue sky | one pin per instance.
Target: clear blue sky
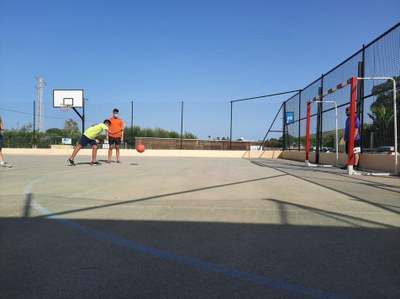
(159, 53)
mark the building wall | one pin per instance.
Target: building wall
(372, 162)
(193, 144)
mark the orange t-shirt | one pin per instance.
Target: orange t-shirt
(116, 124)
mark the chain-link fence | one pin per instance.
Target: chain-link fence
(380, 58)
(250, 120)
(219, 121)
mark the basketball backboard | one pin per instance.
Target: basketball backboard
(67, 97)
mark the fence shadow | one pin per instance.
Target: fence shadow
(173, 259)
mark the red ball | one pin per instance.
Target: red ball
(140, 148)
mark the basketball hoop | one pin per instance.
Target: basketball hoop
(64, 108)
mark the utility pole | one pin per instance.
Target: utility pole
(40, 102)
(182, 125)
(132, 138)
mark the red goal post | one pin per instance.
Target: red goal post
(353, 104)
(353, 96)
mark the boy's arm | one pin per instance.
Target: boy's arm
(355, 132)
(122, 129)
(113, 132)
(356, 127)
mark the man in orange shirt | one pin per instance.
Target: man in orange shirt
(117, 124)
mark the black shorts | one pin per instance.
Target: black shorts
(112, 140)
(1, 141)
(357, 148)
(85, 141)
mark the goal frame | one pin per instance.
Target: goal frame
(353, 103)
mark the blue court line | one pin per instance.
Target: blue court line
(211, 267)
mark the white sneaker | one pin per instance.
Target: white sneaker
(5, 164)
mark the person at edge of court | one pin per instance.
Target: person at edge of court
(357, 146)
(89, 138)
(115, 140)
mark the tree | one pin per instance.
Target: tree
(381, 117)
(329, 139)
(188, 135)
(382, 113)
(71, 126)
(274, 143)
(54, 132)
(384, 94)
(19, 138)
(24, 137)
(157, 132)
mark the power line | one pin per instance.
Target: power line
(15, 111)
(28, 113)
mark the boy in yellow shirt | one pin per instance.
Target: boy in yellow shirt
(89, 137)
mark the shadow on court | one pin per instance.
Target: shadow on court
(149, 259)
(270, 237)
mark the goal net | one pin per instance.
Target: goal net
(352, 82)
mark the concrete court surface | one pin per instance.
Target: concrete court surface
(173, 227)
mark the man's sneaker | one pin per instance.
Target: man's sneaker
(71, 162)
(95, 163)
(5, 164)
